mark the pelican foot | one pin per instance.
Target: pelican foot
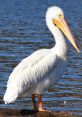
(42, 109)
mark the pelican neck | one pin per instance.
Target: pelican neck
(60, 46)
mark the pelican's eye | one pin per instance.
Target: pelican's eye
(60, 16)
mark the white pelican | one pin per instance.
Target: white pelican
(42, 69)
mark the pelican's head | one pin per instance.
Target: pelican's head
(55, 20)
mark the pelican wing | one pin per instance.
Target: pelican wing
(31, 70)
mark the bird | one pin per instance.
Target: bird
(41, 70)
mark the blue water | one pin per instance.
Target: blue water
(22, 31)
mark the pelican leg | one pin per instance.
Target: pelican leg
(34, 102)
(40, 104)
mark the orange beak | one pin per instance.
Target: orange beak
(62, 25)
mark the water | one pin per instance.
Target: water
(22, 31)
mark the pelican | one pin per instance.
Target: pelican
(43, 68)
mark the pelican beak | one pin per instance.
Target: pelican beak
(62, 25)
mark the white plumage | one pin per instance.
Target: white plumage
(42, 69)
